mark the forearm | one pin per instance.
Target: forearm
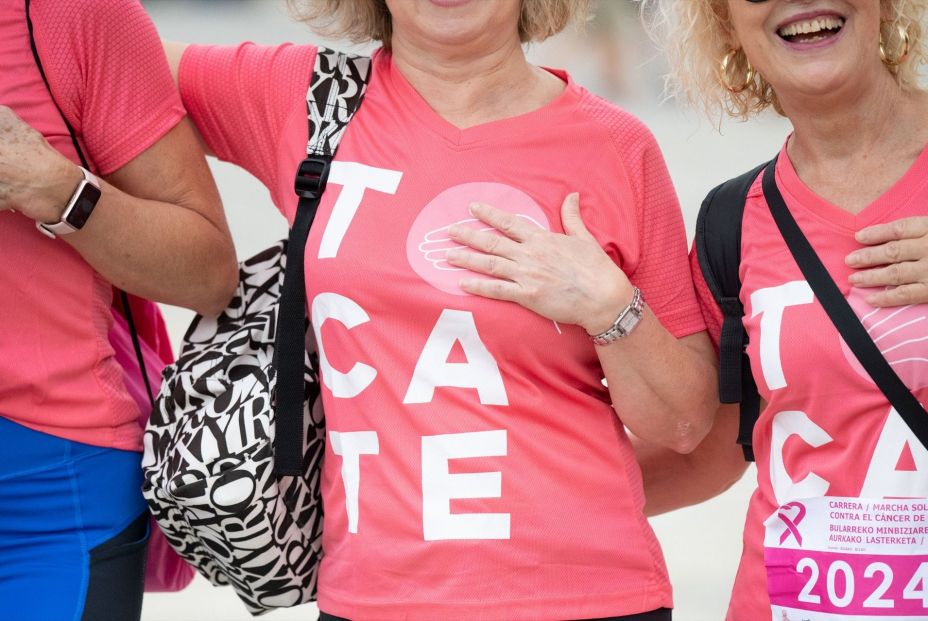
(157, 250)
(662, 388)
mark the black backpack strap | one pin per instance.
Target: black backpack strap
(718, 249)
(335, 92)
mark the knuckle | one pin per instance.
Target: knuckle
(892, 251)
(900, 227)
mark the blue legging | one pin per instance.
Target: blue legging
(73, 529)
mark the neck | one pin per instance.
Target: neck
(470, 84)
(870, 122)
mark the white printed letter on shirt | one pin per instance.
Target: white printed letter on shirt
(772, 301)
(350, 446)
(883, 479)
(786, 424)
(346, 311)
(355, 179)
(433, 369)
(439, 486)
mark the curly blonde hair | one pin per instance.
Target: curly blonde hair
(362, 21)
(694, 35)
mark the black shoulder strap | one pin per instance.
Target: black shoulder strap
(124, 298)
(336, 89)
(718, 249)
(842, 315)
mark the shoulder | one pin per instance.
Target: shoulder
(626, 131)
(85, 18)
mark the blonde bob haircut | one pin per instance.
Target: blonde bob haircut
(362, 21)
(694, 35)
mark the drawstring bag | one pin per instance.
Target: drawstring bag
(233, 450)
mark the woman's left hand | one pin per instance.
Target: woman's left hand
(566, 278)
(896, 256)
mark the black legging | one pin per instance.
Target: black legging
(655, 615)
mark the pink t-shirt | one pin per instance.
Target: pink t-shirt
(820, 543)
(103, 58)
(475, 468)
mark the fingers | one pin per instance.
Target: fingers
(905, 228)
(494, 289)
(916, 293)
(485, 241)
(905, 273)
(488, 264)
(511, 225)
(571, 219)
(894, 251)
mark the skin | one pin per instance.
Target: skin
(158, 230)
(855, 134)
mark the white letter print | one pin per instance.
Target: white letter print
(355, 179)
(439, 487)
(433, 369)
(350, 446)
(786, 424)
(347, 312)
(772, 301)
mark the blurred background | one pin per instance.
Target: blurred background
(611, 56)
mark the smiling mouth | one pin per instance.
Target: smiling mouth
(812, 30)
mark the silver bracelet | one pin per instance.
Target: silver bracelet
(627, 320)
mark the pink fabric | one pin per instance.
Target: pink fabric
(811, 385)
(103, 58)
(429, 391)
(165, 570)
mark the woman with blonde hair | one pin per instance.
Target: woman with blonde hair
(477, 467)
(819, 541)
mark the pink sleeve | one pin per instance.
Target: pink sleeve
(109, 76)
(662, 270)
(710, 309)
(240, 97)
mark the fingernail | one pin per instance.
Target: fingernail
(473, 208)
(851, 259)
(854, 279)
(453, 255)
(454, 231)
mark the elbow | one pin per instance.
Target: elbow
(691, 430)
(218, 287)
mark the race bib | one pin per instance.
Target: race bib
(848, 559)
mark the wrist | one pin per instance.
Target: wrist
(52, 200)
(606, 312)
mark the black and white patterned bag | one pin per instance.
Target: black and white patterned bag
(234, 446)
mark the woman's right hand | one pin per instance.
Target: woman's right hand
(896, 258)
(35, 179)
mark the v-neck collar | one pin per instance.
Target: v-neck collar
(497, 130)
(892, 199)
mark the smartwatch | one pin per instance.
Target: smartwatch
(78, 209)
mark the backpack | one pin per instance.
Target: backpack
(233, 450)
(718, 250)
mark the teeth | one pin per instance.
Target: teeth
(811, 26)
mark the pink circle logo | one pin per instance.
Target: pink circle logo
(428, 243)
(901, 334)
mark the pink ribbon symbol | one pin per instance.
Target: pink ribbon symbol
(792, 524)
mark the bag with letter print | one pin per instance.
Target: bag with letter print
(234, 446)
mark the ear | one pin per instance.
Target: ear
(723, 16)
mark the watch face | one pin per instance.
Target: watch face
(83, 205)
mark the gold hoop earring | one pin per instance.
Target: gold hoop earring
(725, 78)
(903, 34)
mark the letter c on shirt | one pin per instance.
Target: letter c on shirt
(347, 312)
(785, 425)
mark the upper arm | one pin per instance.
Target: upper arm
(240, 98)
(173, 170)
(661, 269)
